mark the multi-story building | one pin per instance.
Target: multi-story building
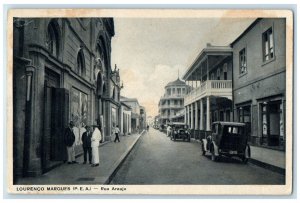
(171, 103)
(61, 72)
(259, 75)
(210, 98)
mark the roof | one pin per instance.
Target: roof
(246, 31)
(125, 99)
(209, 50)
(230, 123)
(176, 82)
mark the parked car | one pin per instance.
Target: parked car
(228, 139)
(180, 131)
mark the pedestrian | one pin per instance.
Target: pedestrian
(87, 144)
(69, 140)
(147, 127)
(117, 131)
(96, 137)
(169, 129)
(82, 130)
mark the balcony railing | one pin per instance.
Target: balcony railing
(221, 88)
(166, 106)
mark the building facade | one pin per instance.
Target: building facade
(210, 97)
(171, 103)
(61, 72)
(133, 103)
(259, 75)
(125, 124)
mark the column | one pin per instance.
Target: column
(185, 115)
(201, 114)
(192, 116)
(188, 116)
(196, 116)
(207, 114)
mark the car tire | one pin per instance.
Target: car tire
(247, 154)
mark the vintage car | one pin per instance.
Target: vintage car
(180, 131)
(228, 139)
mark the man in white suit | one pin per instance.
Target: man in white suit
(96, 137)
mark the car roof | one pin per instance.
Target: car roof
(230, 123)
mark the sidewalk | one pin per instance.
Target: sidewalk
(111, 156)
(268, 158)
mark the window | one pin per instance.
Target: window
(218, 74)
(243, 61)
(212, 76)
(80, 64)
(52, 39)
(225, 71)
(179, 91)
(268, 45)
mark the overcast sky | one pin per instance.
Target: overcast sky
(149, 52)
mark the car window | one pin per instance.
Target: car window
(235, 130)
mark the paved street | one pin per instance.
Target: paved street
(158, 160)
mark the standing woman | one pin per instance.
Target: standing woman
(96, 137)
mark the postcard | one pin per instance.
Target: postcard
(150, 101)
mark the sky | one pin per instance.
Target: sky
(151, 51)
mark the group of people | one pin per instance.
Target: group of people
(90, 142)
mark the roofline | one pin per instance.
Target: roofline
(246, 31)
(201, 55)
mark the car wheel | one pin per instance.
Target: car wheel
(247, 154)
(213, 155)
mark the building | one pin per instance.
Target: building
(61, 72)
(171, 103)
(133, 103)
(259, 76)
(210, 98)
(125, 123)
(143, 118)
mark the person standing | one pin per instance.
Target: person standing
(69, 142)
(117, 131)
(87, 144)
(96, 137)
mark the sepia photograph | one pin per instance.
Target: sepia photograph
(150, 101)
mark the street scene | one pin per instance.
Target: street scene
(149, 101)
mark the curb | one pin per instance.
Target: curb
(117, 164)
(268, 166)
(261, 164)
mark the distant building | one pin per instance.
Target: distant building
(210, 98)
(133, 103)
(143, 118)
(125, 123)
(171, 103)
(259, 75)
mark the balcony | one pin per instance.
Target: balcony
(172, 96)
(218, 88)
(171, 106)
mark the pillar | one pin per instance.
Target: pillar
(207, 114)
(192, 116)
(196, 116)
(188, 116)
(201, 114)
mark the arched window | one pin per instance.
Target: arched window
(52, 42)
(80, 69)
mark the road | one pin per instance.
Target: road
(157, 160)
